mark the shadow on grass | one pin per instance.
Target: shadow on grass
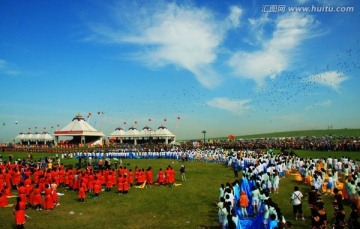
(209, 227)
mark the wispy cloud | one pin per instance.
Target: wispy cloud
(257, 29)
(182, 35)
(290, 118)
(8, 69)
(235, 15)
(237, 107)
(332, 79)
(275, 54)
(324, 104)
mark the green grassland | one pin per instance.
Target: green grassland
(190, 205)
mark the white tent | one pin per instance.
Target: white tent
(46, 137)
(81, 131)
(37, 137)
(146, 132)
(29, 137)
(163, 133)
(118, 133)
(21, 137)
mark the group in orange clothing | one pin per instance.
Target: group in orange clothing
(167, 177)
(36, 187)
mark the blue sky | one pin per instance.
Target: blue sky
(221, 66)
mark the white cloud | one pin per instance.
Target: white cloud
(237, 107)
(7, 68)
(303, 1)
(324, 104)
(169, 33)
(332, 79)
(275, 55)
(3, 63)
(235, 15)
(257, 28)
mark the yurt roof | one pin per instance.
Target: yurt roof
(20, 136)
(78, 127)
(162, 131)
(132, 132)
(146, 131)
(118, 132)
(46, 136)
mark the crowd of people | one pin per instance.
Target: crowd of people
(261, 173)
(245, 201)
(323, 143)
(35, 185)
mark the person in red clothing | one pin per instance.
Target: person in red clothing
(125, 185)
(97, 188)
(243, 203)
(149, 176)
(49, 203)
(3, 200)
(37, 200)
(141, 178)
(130, 177)
(109, 181)
(82, 194)
(22, 192)
(16, 178)
(160, 177)
(19, 213)
(54, 194)
(167, 175)
(120, 184)
(7, 191)
(171, 175)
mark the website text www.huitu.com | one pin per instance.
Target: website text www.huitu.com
(310, 9)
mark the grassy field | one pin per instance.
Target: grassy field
(190, 205)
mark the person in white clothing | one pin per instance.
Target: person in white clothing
(296, 201)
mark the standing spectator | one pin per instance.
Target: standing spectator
(296, 201)
(182, 171)
(81, 194)
(19, 212)
(255, 194)
(221, 191)
(244, 203)
(236, 168)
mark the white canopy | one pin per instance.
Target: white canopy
(78, 127)
(81, 131)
